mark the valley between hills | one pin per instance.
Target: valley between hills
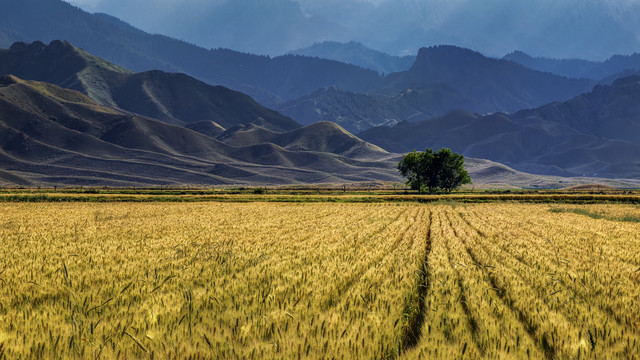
(178, 131)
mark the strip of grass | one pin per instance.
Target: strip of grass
(337, 191)
(353, 198)
(597, 215)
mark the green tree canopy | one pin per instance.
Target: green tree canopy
(430, 171)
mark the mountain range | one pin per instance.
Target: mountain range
(268, 80)
(130, 110)
(608, 70)
(53, 136)
(170, 97)
(493, 85)
(113, 126)
(595, 134)
(442, 79)
(358, 54)
(89, 136)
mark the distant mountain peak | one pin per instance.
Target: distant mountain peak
(518, 56)
(626, 81)
(59, 49)
(7, 80)
(447, 56)
(446, 51)
(356, 53)
(20, 46)
(54, 46)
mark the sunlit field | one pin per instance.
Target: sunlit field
(319, 280)
(525, 281)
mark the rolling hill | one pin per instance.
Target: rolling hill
(180, 99)
(170, 97)
(320, 137)
(55, 136)
(158, 126)
(594, 134)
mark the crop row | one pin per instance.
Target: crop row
(192, 280)
(265, 280)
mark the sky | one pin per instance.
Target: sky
(591, 29)
(85, 4)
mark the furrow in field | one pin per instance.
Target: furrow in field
(560, 288)
(415, 310)
(398, 225)
(494, 307)
(445, 332)
(507, 292)
(585, 283)
(234, 280)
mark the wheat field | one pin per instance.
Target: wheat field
(322, 280)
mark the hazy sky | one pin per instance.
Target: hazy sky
(594, 29)
(84, 3)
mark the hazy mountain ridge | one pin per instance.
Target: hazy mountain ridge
(607, 70)
(442, 79)
(357, 54)
(594, 134)
(53, 136)
(353, 111)
(271, 81)
(495, 85)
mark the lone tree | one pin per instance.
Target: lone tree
(430, 171)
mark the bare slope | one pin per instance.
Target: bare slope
(50, 135)
(319, 137)
(169, 97)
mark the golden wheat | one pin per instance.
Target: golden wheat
(268, 280)
(206, 280)
(525, 281)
